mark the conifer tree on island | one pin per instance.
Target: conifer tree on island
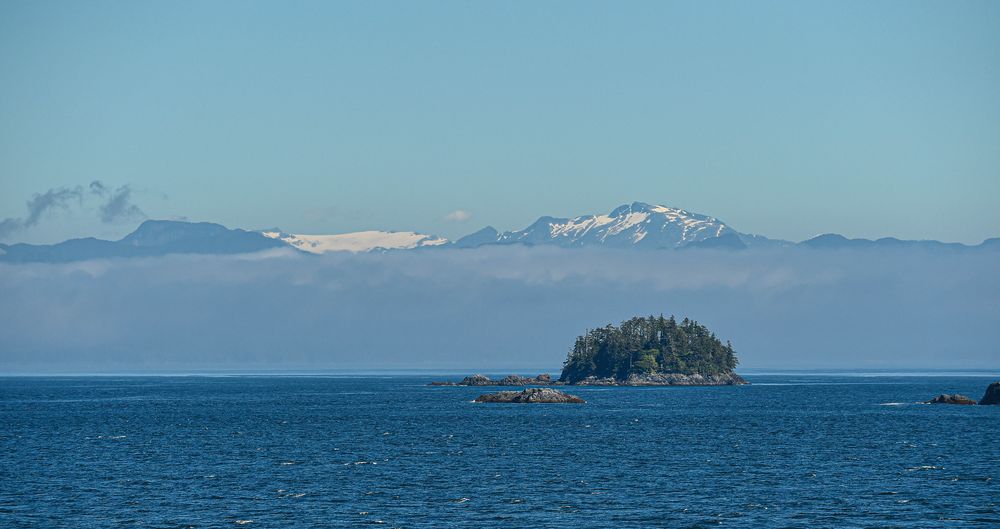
(647, 346)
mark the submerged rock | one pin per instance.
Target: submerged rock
(992, 395)
(950, 399)
(530, 396)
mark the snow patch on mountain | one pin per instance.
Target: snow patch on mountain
(357, 242)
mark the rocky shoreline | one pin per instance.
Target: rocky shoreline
(656, 379)
(668, 379)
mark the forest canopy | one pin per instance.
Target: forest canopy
(647, 346)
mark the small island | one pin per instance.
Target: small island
(531, 396)
(945, 398)
(642, 351)
(652, 351)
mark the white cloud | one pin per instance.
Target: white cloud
(459, 215)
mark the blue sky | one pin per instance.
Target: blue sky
(781, 118)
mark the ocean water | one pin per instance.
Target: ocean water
(288, 452)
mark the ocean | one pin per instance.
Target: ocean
(790, 450)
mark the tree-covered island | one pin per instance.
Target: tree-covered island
(651, 351)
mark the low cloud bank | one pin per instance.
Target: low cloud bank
(495, 308)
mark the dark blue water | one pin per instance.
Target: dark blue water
(789, 451)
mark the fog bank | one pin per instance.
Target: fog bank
(495, 308)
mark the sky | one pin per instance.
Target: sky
(787, 119)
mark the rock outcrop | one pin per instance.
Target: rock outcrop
(531, 396)
(950, 399)
(509, 380)
(515, 380)
(477, 380)
(668, 379)
(992, 396)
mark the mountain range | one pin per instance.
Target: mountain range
(630, 226)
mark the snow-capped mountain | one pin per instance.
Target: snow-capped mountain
(631, 225)
(635, 225)
(362, 241)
